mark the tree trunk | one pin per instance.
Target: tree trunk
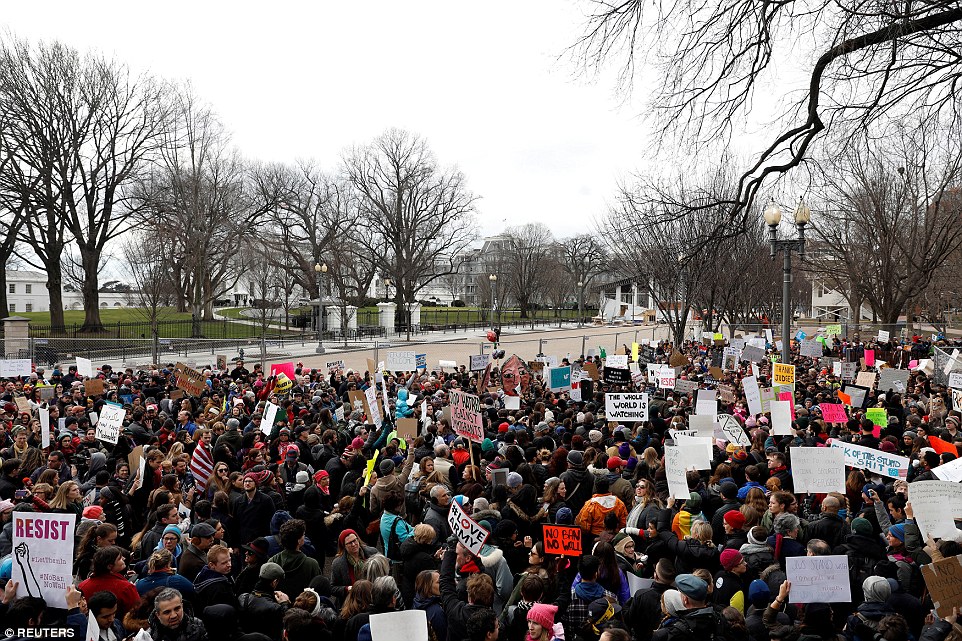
(196, 309)
(54, 280)
(4, 306)
(90, 290)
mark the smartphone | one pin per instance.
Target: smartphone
(20, 494)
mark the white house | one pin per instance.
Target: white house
(27, 292)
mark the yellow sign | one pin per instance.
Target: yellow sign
(283, 384)
(634, 352)
(784, 374)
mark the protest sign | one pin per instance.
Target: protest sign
(685, 387)
(944, 581)
(402, 361)
(448, 364)
(849, 370)
(733, 430)
(883, 336)
(636, 583)
(94, 387)
(951, 471)
(752, 394)
(46, 392)
(783, 374)
(559, 378)
(563, 540)
(955, 380)
(726, 393)
(870, 358)
(706, 402)
(818, 470)
(703, 424)
(592, 370)
(479, 362)
(270, 415)
(781, 418)
(867, 458)
(833, 412)
(696, 451)
(221, 362)
(466, 415)
(677, 359)
(189, 379)
(44, 427)
(111, 420)
(856, 394)
(738, 343)
(469, 533)
(673, 434)
(13, 367)
(614, 376)
(811, 349)
(936, 504)
(23, 405)
(754, 353)
(618, 361)
(956, 399)
(410, 625)
(878, 415)
(666, 378)
(407, 428)
(282, 384)
(85, 367)
(833, 330)
(818, 579)
(44, 551)
(675, 473)
(512, 402)
(893, 379)
(288, 368)
(626, 407)
(865, 379)
(373, 409)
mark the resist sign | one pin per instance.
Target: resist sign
(43, 547)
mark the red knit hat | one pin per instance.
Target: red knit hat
(504, 427)
(731, 558)
(734, 519)
(614, 463)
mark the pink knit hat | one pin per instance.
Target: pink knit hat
(543, 614)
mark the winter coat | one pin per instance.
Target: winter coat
(592, 515)
(416, 557)
(435, 613)
(299, 571)
(190, 629)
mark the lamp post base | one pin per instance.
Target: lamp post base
(320, 350)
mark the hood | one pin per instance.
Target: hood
(98, 461)
(280, 518)
(607, 501)
(491, 556)
(291, 561)
(402, 394)
(755, 548)
(422, 603)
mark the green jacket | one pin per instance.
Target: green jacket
(299, 571)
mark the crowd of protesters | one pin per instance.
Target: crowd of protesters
(308, 527)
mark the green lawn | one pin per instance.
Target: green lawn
(107, 315)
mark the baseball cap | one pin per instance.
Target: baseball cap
(271, 572)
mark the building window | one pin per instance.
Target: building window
(29, 290)
(12, 289)
(12, 307)
(29, 305)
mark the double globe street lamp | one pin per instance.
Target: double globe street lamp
(773, 216)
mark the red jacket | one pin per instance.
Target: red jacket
(124, 590)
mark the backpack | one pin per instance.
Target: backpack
(393, 545)
(721, 632)
(414, 501)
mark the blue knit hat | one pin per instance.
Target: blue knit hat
(564, 516)
(898, 531)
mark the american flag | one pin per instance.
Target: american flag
(201, 466)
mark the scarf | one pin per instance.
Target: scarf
(589, 591)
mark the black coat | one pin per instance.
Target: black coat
(643, 611)
(417, 557)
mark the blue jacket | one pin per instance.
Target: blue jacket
(743, 492)
(404, 530)
(163, 579)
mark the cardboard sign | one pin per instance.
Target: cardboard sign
(402, 361)
(866, 458)
(819, 579)
(626, 406)
(592, 370)
(833, 413)
(944, 581)
(865, 379)
(44, 550)
(407, 428)
(14, 367)
(111, 421)
(727, 393)
(469, 533)
(818, 470)
(23, 405)
(189, 379)
(466, 415)
(563, 540)
(783, 374)
(677, 359)
(94, 387)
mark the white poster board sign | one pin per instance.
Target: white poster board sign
(43, 547)
(955, 380)
(951, 471)
(370, 394)
(696, 452)
(704, 424)
(466, 415)
(866, 458)
(270, 413)
(512, 402)
(733, 430)
(410, 625)
(626, 406)
(818, 470)
(675, 473)
(469, 533)
(111, 421)
(479, 362)
(752, 394)
(707, 402)
(13, 367)
(44, 427)
(618, 361)
(85, 367)
(781, 418)
(402, 361)
(818, 579)
(936, 504)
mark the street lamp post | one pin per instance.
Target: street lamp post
(493, 279)
(320, 269)
(773, 216)
(581, 285)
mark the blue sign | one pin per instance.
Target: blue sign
(422, 361)
(560, 378)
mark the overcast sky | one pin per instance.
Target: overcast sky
(482, 83)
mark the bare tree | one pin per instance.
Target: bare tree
(890, 214)
(583, 258)
(528, 260)
(147, 260)
(415, 215)
(874, 60)
(201, 195)
(104, 121)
